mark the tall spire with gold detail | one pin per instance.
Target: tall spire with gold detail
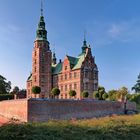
(41, 33)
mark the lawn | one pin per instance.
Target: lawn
(108, 128)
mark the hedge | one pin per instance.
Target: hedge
(6, 97)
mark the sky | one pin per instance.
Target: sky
(112, 30)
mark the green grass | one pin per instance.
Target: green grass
(108, 128)
(138, 107)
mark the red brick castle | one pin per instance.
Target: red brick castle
(73, 73)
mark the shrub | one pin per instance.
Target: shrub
(99, 93)
(55, 91)
(96, 94)
(72, 93)
(36, 90)
(85, 94)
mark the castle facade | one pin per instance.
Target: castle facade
(73, 73)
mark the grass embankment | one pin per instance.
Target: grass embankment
(108, 128)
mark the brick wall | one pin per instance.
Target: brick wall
(14, 109)
(40, 110)
(33, 110)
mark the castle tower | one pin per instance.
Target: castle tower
(41, 60)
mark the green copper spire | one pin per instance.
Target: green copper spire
(41, 33)
(84, 43)
(54, 59)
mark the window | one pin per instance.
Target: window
(65, 87)
(35, 69)
(65, 96)
(65, 76)
(35, 61)
(35, 53)
(75, 86)
(43, 69)
(70, 75)
(66, 67)
(35, 78)
(28, 91)
(42, 78)
(86, 86)
(95, 86)
(75, 74)
(70, 86)
(28, 84)
(61, 88)
(61, 77)
(86, 74)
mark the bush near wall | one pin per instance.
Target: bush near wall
(6, 97)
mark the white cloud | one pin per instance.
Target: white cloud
(108, 32)
(115, 30)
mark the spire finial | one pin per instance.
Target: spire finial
(84, 35)
(85, 42)
(41, 8)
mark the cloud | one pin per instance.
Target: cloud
(108, 32)
(115, 30)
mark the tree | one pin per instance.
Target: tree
(99, 93)
(55, 91)
(112, 95)
(96, 94)
(5, 86)
(85, 94)
(72, 93)
(23, 91)
(36, 90)
(136, 87)
(122, 93)
(15, 89)
(105, 96)
(135, 98)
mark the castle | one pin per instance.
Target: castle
(73, 73)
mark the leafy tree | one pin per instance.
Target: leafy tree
(136, 87)
(72, 93)
(85, 94)
(36, 90)
(15, 89)
(22, 91)
(55, 91)
(5, 86)
(96, 94)
(112, 95)
(99, 93)
(129, 96)
(135, 98)
(122, 93)
(105, 96)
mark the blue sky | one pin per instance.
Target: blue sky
(112, 26)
